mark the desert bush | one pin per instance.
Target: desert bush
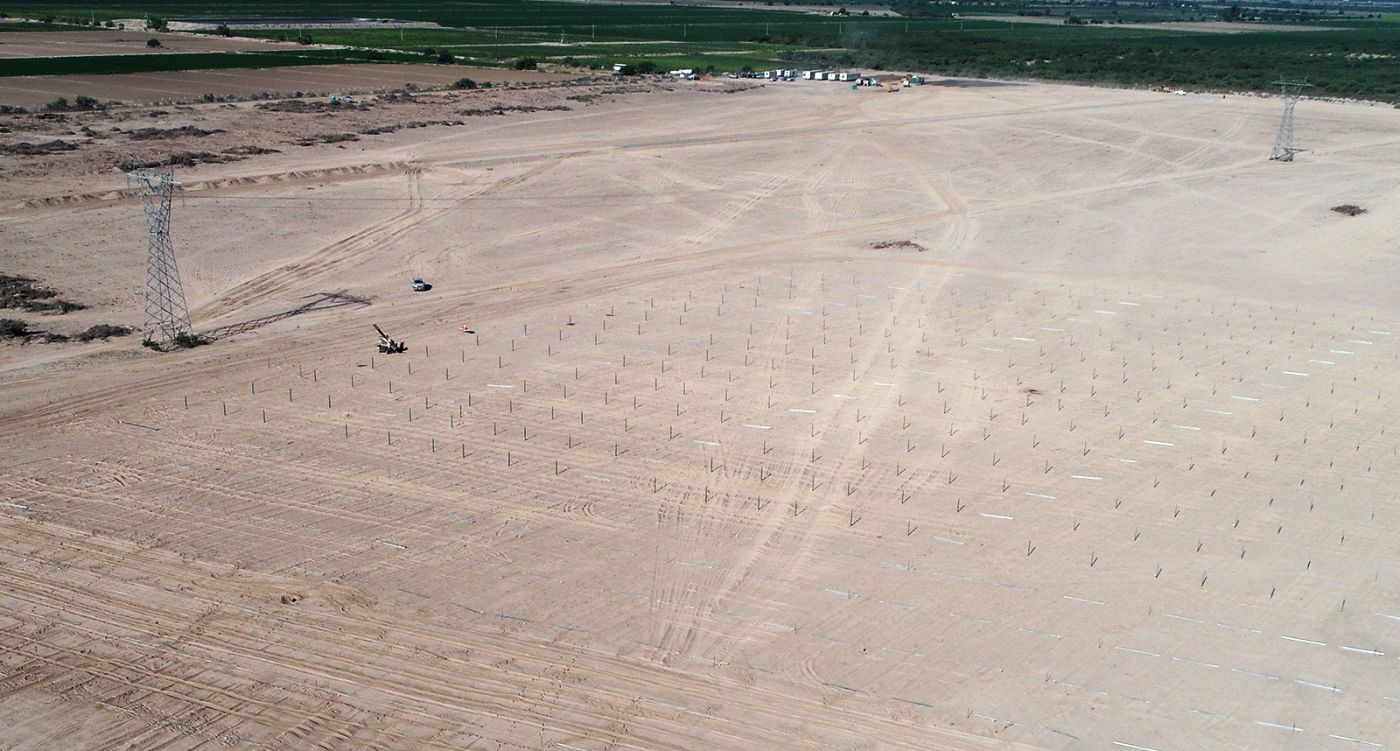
(102, 331)
(526, 63)
(13, 328)
(464, 83)
(188, 340)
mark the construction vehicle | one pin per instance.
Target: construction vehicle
(387, 345)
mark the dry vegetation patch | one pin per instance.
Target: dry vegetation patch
(24, 293)
(184, 131)
(25, 148)
(898, 245)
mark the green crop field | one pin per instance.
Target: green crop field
(1355, 54)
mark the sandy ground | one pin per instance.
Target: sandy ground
(187, 85)
(1108, 464)
(126, 42)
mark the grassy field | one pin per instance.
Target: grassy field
(1356, 55)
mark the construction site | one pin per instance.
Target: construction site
(710, 415)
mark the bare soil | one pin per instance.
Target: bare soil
(191, 85)
(1109, 465)
(129, 41)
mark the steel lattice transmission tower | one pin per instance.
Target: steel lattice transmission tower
(167, 317)
(1283, 142)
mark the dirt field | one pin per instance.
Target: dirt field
(1093, 453)
(126, 42)
(187, 85)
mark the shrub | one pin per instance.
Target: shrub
(152, 42)
(304, 38)
(446, 58)
(645, 67)
(188, 340)
(86, 103)
(376, 57)
(155, 23)
(13, 328)
(102, 331)
(464, 83)
(222, 30)
(526, 63)
(57, 105)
